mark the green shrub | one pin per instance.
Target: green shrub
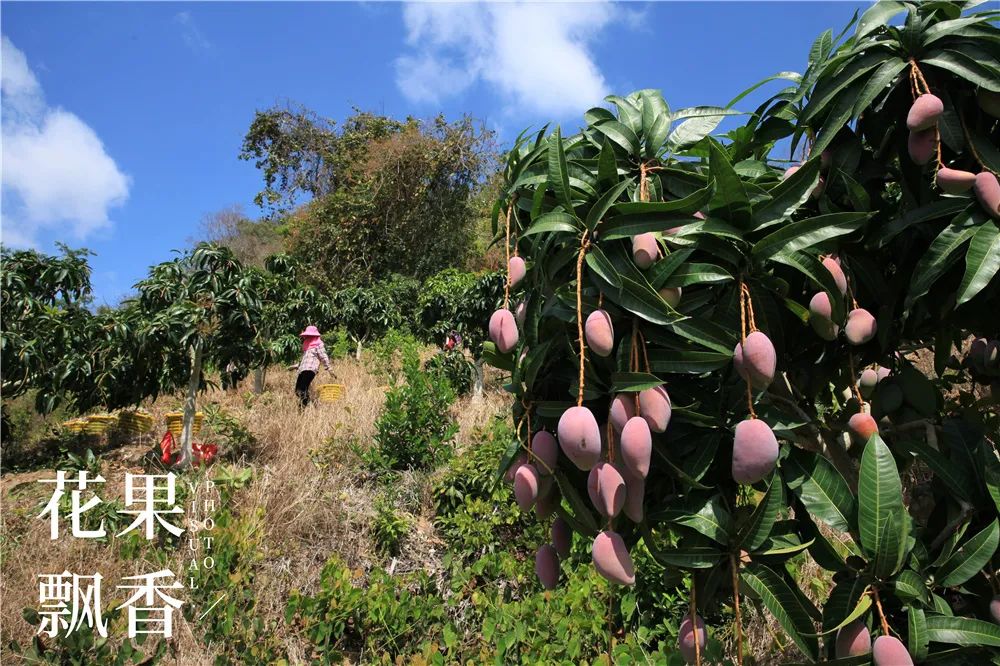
(415, 428)
(390, 526)
(84, 646)
(235, 439)
(475, 512)
(338, 343)
(388, 617)
(454, 367)
(393, 350)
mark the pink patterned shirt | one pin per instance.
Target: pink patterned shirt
(312, 357)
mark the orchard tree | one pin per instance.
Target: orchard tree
(287, 307)
(375, 196)
(252, 241)
(46, 325)
(455, 301)
(726, 356)
(202, 309)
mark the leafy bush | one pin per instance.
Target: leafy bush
(415, 428)
(236, 439)
(337, 342)
(455, 301)
(475, 513)
(393, 350)
(388, 617)
(454, 367)
(390, 526)
(85, 646)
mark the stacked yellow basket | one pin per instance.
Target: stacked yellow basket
(331, 392)
(175, 423)
(75, 426)
(98, 424)
(135, 422)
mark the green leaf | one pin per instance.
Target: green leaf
(492, 356)
(970, 559)
(604, 204)
(860, 609)
(805, 233)
(627, 226)
(709, 519)
(991, 473)
(821, 488)
(691, 131)
(556, 221)
(876, 16)
(787, 196)
(986, 149)
(794, 77)
(607, 165)
(964, 67)
(508, 458)
(706, 333)
(558, 172)
(580, 510)
(962, 631)
(730, 200)
(877, 83)
(762, 520)
(696, 273)
(837, 119)
(597, 262)
(687, 362)
(942, 253)
(909, 586)
(687, 205)
(937, 209)
(783, 604)
(944, 469)
(620, 134)
(880, 499)
(664, 268)
(982, 261)
(641, 300)
(817, 273)
(917, 638)
(633, 382)
(892, 544)
(696, 557)
(836, 88)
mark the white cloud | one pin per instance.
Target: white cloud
(534, 54)
(191, 33)
(56, 173)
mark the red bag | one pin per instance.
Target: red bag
(200, 453)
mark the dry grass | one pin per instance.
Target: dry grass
(309, 511)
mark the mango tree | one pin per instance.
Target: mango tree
(46, 326)
(730, 355)
(455, 301)
(202, 309)
(287, 307)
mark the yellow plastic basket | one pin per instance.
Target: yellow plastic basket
(75, 425)
(97, 424)
(135, 422)
(331, 392)
(175, 423)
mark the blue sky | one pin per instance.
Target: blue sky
(122, 122)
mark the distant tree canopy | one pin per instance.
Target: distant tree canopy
(251, 241)
(373, 196)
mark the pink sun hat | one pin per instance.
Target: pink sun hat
(311, 331)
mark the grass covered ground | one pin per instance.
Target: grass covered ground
(324, 553)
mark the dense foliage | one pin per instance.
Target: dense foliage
(384, 196)
(682, 250)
